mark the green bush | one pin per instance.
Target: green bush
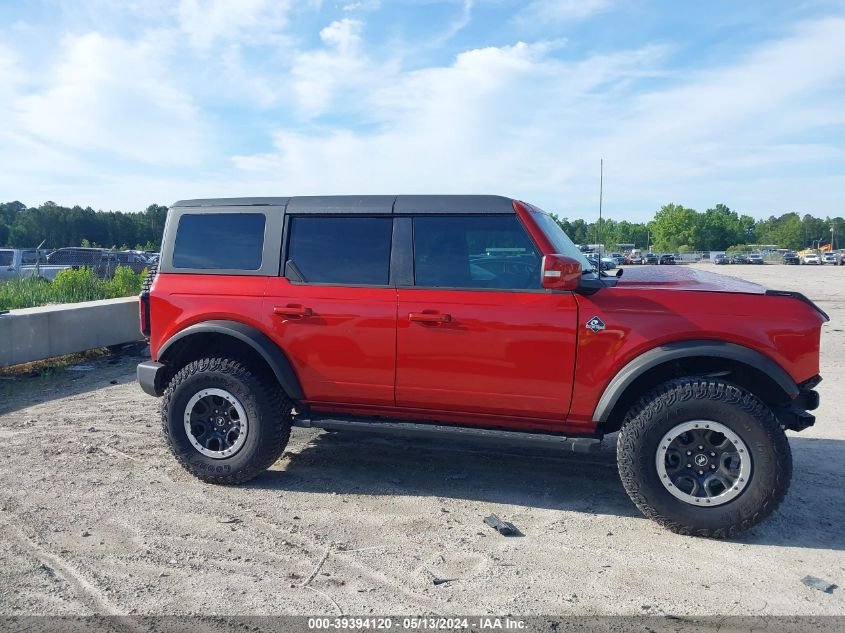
(70, 286)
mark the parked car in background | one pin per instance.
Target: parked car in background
(829, 258)
(721, 259)
(26, 262)
(134, 260)
(812, 258)
(651, 258)
(619, 258)
(739, 258)
(666, 259)
(608, 263)
(755, 258)
(594, 262)
(634, 258)
(100, 260)
(791, 258)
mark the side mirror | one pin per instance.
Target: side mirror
(560, 272)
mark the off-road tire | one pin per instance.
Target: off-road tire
(686, 399)
(266, 405)
(152, 271)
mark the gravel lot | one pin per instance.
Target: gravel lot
(96, 516)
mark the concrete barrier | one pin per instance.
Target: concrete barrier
(38, 333)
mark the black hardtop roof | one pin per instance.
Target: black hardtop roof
(367, 204)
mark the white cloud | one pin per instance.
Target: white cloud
(341, 66)
(111, 96)
(542, 12)
(476, 125)
(518, 120)
(362, 5)
(142, 114)
(209, 21)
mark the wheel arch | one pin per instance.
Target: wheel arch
(233, 337)
(744, 366)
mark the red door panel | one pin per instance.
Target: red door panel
(508, 353)
(341, 341)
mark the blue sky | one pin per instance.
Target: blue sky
(118, 104)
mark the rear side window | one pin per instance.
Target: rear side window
(6, 258)
(352, 250)
(474, 251)
(225, 241)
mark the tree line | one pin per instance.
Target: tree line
(57, 226)
(674, 228)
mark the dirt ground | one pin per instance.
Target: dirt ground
(97, 517)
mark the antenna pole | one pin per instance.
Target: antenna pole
(601, 191)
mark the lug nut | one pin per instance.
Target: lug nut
(712, 454)
(701, 448)
(689, 452)
(713, 466)
(689, 465)
(700, 472)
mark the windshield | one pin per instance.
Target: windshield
(560, 240)
(6, 258)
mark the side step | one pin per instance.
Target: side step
(425, 429)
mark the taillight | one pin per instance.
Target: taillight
(144, 308)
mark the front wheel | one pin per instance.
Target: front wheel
(704, 457)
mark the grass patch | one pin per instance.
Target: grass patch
(49, 366)
(70, 286)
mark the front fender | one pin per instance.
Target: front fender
(626, 376)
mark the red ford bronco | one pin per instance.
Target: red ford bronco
(473, 315)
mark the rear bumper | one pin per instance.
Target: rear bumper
(152, 377)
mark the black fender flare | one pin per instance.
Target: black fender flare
(625, 377)
(251, 336)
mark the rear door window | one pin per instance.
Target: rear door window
(340, 250)
(223, 241)
(474, 251)
(6, 258)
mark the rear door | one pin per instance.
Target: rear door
(334, 311)
(476, 333)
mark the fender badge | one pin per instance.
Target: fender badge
(595, 324)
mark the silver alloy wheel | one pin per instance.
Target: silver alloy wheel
(216, 423)
(703, 463)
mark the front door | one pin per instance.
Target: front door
(476, 333)
(334, 314)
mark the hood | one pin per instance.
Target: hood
(684, 278)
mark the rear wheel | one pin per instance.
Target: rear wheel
(225, 423)
(704, 457)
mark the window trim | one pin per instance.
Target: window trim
(285, 249)
(273, 217)
(473, 288)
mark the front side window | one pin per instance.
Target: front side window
(224, 241)
(6, 258)
(559, 239)
(474, 251)
(340, 250)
